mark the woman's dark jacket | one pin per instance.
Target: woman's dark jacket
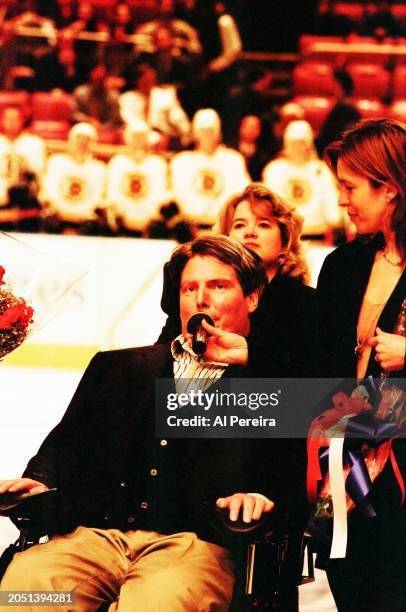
(372, 576)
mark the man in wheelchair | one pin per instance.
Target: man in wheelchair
(131, 524)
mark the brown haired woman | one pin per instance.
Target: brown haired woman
(361, 289)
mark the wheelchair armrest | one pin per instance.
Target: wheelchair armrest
(240, 533)
(23, 507)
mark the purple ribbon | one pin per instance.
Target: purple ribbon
(364, 428)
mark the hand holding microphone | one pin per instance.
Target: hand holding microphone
(216, 344)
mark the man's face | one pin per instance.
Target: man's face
(250, 129)
(207, 138)
(298, 151)
(210, 286)
(138, 141)
(81, 143)
(12, 122)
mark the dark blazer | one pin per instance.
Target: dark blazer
(101, 454)
(341, 286)
(283, 341)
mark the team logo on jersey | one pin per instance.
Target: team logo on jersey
(12, 167)
(208, 182)
(135, 185)
(299, 191)
(73, 189)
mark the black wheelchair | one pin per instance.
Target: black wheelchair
(269, 561)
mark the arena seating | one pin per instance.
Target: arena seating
(51, 106)
(313, 78)
(370, 80)
(15, 98)
(397, 110)
(399, 82)
(370, 108)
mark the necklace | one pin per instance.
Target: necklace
(392, 263)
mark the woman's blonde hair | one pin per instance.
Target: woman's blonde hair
(266, 203)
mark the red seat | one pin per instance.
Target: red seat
(313, 78)
(108, 136)
(15, 98)
(50, 130)
(370, 80)
(371, 108)
(51, 106)
(399, 82)
(353, 10)
(316, 109)
(400, 58)
(399, 11)
(397, 110)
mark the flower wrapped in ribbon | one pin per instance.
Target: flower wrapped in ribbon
(348, 447)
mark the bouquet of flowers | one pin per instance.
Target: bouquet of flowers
(16, 318)
(32, 290)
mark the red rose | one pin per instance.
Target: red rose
(2, 273)
(19, 315)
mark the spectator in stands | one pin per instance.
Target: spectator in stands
(22, 159)
(230, 40)
(224, 53)
(221, 46)
(305, 182)
(137, 181)
(62, 12)
(85, 50)
(8, 53)
(74, 185)
(172, 47)
(252, 96)
(158, 105)
(166, 57)
(186, 41)
(203, 179)
(120, 52)
(23, 56)
(252, 143)
(343, 113)
(290, 111)
(95, 103)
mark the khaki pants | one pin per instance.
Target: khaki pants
(140, 571)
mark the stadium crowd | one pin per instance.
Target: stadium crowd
(143, 118)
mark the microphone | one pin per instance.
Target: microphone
(194, 326)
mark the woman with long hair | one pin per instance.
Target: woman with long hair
(361, 290)
(283, 339)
